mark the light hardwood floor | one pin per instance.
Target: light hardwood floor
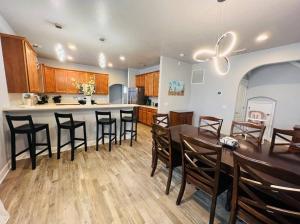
(102, 187)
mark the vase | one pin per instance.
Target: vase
(88, 100)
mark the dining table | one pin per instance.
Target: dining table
(281, 157)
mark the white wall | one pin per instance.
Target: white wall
(172, 69)
(280, 82)
(4, 99)
(204, 98)
(132, 72)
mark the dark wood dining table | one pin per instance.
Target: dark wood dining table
(279, 158)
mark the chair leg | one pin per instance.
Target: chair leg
(97, 137)
(58, 143)
(131, 134)
(48, 142)
(84, 136)
(125, 124)
(72, 136)
(169, 179)
(115, 133)
(182, 188)
(121, 123)
(102, 130)
(13, 151)
(136, 131)
(33, 151)
(154, 164)
(109, 141)
(212, 209)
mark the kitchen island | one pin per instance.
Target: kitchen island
(45, 114)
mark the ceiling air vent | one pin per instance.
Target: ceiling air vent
(198, 76)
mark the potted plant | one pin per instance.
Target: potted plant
(87, 89)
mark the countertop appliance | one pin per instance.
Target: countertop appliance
(137, 96)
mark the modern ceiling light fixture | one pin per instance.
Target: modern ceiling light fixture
(219, 54)
(110, 65)
(72, 47)
(70, 58)
(262, 37)
(60, 52)
(122, 58)
(102, 60)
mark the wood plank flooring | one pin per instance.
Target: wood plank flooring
(102, 187)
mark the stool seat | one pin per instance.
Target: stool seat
(26, 128)
(128, 119)
(107, 120)
(68, 124)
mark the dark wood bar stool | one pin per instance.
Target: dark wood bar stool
(70, 125)
(104, 121)
(128, 117)
(30, 129)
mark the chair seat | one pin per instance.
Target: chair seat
(25, 128)
(68, 124)
(106, 120)
(128, 119)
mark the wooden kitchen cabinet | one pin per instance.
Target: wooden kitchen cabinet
(101, 84)
(20, 63)
(72, 77)
(146, 115)
(49, 79)
(181, 117)
(61, 80)
(150, 81)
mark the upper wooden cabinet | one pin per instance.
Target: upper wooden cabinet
(20, 63)
(101, 82)
(61, 79)
(150, 81)
(49, 79)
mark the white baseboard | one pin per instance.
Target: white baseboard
(4, 171)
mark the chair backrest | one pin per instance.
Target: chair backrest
(162, 141)
(128, 113)
(212, 124)
(202, 161)
(252, 132)
(12, 118)
(65, 117)
(104, 114)
(264, 191)
(161, 120)
(284, 137)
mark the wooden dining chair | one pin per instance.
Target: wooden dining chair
(286, 137)
(212, 124)
(252, 132)
(201, 166)
(161, 120)
(264, 193)
(162, 151)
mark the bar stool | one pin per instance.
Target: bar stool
(30, 129)
(105, 120)
(128, 117)
(70, 125)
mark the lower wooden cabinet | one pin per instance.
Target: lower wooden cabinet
(146, 115)
(181, 117)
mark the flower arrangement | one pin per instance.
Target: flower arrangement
(88, 89)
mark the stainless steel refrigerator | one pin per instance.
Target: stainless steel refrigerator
(136, 96)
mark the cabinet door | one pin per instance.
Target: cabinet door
(34, 79)
(144, 117)
(142, 80)
(49, 80)
(72, 77)
(137, 81)
(146, 83)
(101, 82)
(155, 83)
(140, 114)
(61, 80)
(149, 117)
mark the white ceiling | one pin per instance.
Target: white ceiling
(142, 30)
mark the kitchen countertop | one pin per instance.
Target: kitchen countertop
(150, 107)
(52, 106)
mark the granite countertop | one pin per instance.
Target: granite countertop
(52, 106)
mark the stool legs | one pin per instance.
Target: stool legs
(13, 151)
(48, 142)
(84, 135)
(131, 134)
(72, 137)
(121, 123)
(116, 132)
(58, 143)
(32, 149)
(97, 138)
(109, 143)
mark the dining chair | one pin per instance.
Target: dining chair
(163, 151)
(286, 137)
(162, 120)
(201, 166)
(264, 193)
(252, 133)
(211, 124)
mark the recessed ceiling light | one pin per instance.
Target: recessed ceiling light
(70, 58)
(262, 37)
(122, 58)
(60, 52)
(110, 65)
(72, 47)
(181, 54)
